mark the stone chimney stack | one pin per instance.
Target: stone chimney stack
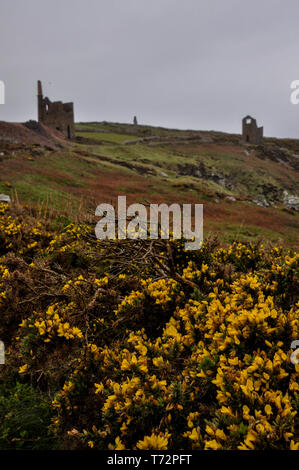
(39, 101)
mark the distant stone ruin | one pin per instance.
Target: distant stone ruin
(57, 114)
(251, 134)
(135, 121)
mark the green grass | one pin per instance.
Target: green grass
(160, 158)
(107, 137)
(41, 193)
(229, 232)
(58, 177)
(25, 417)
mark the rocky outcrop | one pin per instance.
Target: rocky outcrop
(290, 201)
(261, 201)
(202, 171)
(5, 198)
(279, 155)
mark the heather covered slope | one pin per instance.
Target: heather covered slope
(126, 345)
(247, 191)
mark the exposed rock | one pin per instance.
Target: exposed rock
(219, 179)
(163, 174)
(290, 201)
(278, 154)
(261, 201)
(230, 198)
(5, 198)
(202, 171)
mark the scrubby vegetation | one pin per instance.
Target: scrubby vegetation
(142, 345)
(246, 189)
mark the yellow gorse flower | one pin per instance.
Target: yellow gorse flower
(154, 441)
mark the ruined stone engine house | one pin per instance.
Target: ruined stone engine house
(251, 134)
(56, 114)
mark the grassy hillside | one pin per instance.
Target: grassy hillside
(143, 345)
(242, 187)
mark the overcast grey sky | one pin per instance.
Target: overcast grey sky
(200, 64)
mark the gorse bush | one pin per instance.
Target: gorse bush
(142, 345)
